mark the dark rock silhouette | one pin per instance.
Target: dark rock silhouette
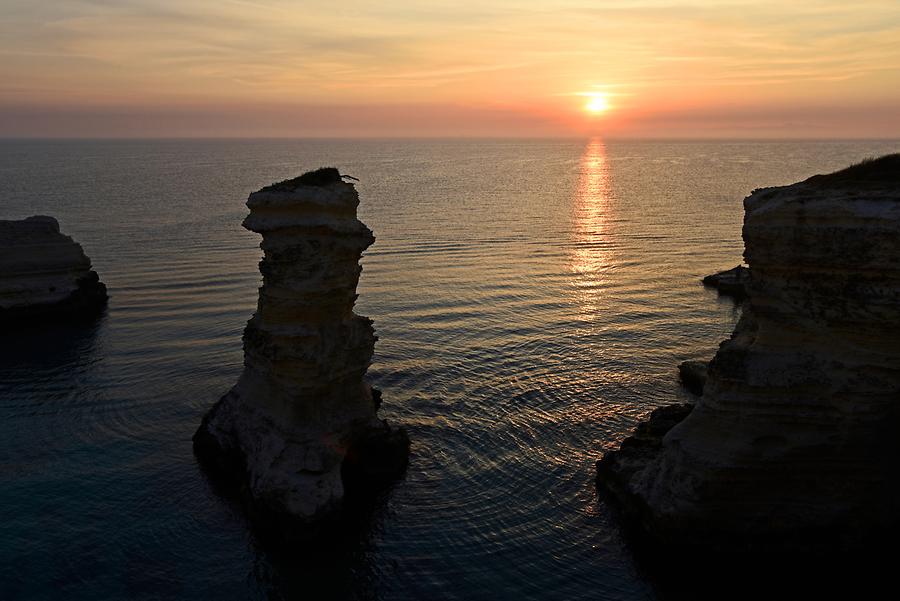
(299, 429)
(731, 282)
(793, 445)
(323, 176)
(693, 375)
(45, 274)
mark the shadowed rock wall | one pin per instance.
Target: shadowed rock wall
(44, 273)
(796, 439)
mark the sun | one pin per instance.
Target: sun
(597, 104)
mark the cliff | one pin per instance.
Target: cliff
(44, 273)
(793, 444)
(299, 428)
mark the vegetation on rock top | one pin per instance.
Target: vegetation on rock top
(324, 176)
(868, 172)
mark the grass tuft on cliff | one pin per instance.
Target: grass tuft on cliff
(324, 176)
(868, 172)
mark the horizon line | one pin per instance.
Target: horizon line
(463, 137)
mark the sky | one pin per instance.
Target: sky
(311, 68)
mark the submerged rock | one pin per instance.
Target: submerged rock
(732, 282)
(44, 273)
(693, 375)
(793, 445)
(299, 429)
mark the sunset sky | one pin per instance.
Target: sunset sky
(652, 68)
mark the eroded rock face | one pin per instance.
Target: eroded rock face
(795, 442)
(301, 412)
(44, 273)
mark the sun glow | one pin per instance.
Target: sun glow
(597, 103)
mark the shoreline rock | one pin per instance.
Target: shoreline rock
(693, 375)
(45, 274)
(299, 432)
(615, 469)
(732, 282)
(792, 447)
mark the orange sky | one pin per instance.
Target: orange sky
(678, 68)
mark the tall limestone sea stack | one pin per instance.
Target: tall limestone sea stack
(795, 443)
(45, 274)
(299, 429)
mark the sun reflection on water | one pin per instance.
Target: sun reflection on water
(592, 244)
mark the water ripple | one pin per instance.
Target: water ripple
(532, 299)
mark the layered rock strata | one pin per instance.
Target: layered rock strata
(299, 428)
(794, 443)
(44, 273)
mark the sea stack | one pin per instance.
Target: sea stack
(794, 443)
(45, 274)
(299, 429)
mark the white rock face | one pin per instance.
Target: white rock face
(301, 421)
(44, 272)
(794, 442)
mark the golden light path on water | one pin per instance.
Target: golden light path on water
(591, 255)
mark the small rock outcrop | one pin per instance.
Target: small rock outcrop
(693, 375)
(45, 274)
(732, 282)
(299, 429)
(794, 444)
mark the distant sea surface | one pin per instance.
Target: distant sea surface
(532, 299)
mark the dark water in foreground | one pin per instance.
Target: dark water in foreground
(532, 299)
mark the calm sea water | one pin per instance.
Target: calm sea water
(532, 300)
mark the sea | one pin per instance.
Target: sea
(532, 300)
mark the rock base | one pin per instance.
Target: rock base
(87, 301)
(616, 469)
(286, 497)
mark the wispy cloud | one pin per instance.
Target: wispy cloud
(522, 53)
